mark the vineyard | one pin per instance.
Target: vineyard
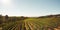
(30, 23)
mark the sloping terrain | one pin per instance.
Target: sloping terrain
(40, 23)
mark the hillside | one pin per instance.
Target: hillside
(31, 23)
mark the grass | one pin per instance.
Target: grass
(32, 24)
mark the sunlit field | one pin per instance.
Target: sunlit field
(50, 22)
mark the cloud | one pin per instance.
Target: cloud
(6, 1)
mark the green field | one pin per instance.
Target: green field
(31, 23)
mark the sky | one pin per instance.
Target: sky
(29, 7)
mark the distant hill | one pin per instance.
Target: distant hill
(49, 16)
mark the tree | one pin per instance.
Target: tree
(6, 17)
(1, 19)
(0, 16)
(23, 18)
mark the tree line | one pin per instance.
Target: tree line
(6, 18)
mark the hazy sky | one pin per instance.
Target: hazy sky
(29, 7)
